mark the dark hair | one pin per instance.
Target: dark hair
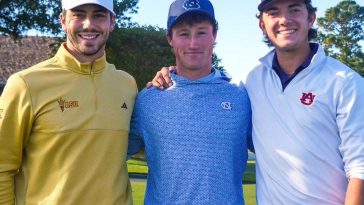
(191, 18)
(312, 33)
(2, 85)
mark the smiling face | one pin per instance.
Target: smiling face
(287, 23)
(193, 46)
(87, 27)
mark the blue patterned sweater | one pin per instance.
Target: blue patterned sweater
(195, 139)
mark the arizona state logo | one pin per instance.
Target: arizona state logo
(191, 4)
(307, 98)
(63, 104)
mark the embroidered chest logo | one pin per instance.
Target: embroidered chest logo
(124, 106)
(1, 112)
(307, 98)
(191, 4)
(226, 105)
(64, 104)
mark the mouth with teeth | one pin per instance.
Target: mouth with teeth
(286, 32)
(88, 36)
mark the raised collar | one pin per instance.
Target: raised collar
(74, 65)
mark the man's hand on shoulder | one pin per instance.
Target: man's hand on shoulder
(162, 79)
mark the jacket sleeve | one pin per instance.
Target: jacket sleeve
(350, 121)
(15, 127)
(136, 142)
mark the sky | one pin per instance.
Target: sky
(239, 39)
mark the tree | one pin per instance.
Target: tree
(216, 63)
(142, 51)
(341, 31)
(17, 17)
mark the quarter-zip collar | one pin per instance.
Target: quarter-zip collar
(74, 65)
(285, 78)
(317, 58)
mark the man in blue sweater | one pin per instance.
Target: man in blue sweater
(196, 146)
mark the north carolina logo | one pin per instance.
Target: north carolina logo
(63, 104)
(191, 4)
(307, 98)
(226, 105)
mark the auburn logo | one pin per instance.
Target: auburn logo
(307, 98)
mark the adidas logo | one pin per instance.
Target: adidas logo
(124, 106)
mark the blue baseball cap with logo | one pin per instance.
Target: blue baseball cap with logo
(263, 3)
(180, 7)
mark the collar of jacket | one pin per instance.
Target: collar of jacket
(74, 65)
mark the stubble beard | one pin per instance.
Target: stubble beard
(86, 50)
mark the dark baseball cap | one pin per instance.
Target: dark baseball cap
(180, 7)
(263, 4)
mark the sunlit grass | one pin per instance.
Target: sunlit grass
(139, 169)
(139, 190)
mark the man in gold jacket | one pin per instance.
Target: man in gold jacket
(64, 123)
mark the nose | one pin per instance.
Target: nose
(285, 18)
(193, 42)
(87, 23)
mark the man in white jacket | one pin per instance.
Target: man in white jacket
(308, 124)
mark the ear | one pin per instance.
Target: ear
(215, 36)
(169, 39)
(62, 18)
(113, 22)
(312, 19)
(262, 26)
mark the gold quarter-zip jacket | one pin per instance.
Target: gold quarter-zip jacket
(64, 133)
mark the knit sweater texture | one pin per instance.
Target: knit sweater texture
(195, 138)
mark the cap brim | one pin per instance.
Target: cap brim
(264, 4)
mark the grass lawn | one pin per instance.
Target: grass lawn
(139, 169)
(139, 189)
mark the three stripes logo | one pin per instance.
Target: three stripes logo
(124, 106)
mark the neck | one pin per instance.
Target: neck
(86, 58)
(193, 74)
(290, 60)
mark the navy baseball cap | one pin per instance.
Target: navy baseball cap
(263, 3)
(180, 7)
